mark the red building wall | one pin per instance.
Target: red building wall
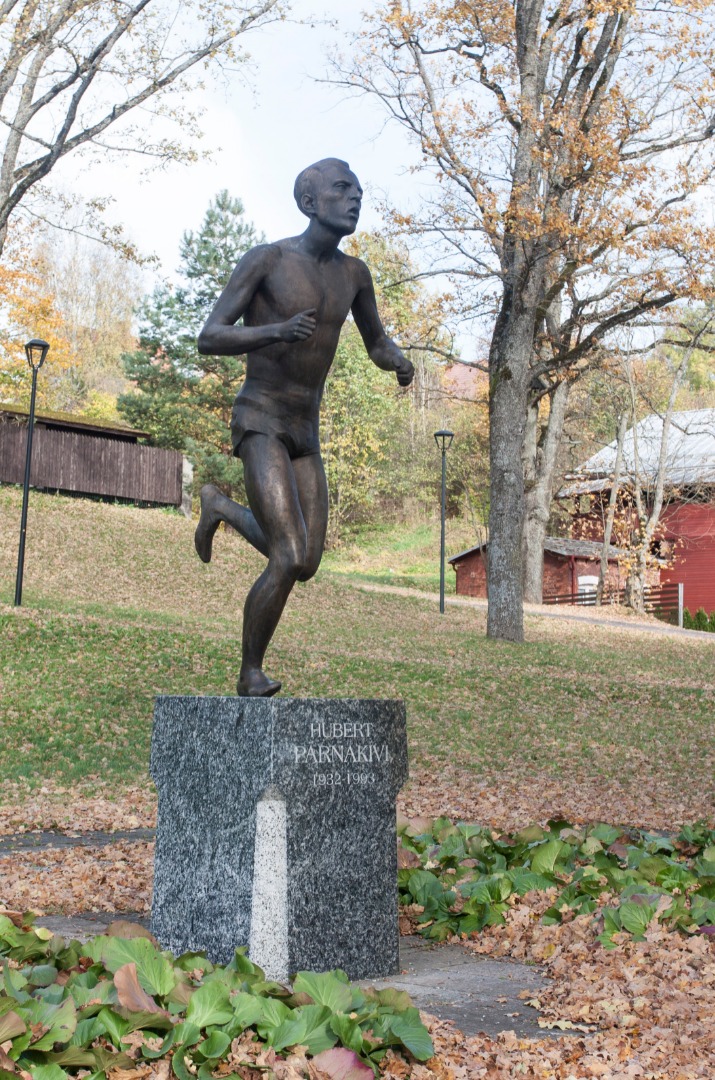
(692, 526)
(560, 576)
(557, 575)
(471, 575)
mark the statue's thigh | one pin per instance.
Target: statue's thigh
(272, 489)
(313, 495)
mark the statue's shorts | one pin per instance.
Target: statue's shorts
(298, 433)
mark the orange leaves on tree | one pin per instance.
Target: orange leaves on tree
(28, 311)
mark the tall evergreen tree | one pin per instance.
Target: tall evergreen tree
(183, 399)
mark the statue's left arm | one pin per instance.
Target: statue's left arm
(380, 348)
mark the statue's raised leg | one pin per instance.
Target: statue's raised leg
(217, 507)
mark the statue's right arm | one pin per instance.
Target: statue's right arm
(221, 337)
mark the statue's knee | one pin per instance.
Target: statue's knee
(292, 563)
(311, 562)
(309, 570)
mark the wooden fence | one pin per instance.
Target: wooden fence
(660, 600)
(91, 464)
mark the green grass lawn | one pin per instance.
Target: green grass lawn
(404, 555)
(117, 608)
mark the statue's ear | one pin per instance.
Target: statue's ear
(307, 204)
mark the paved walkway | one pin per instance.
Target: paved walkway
(34, 841)
(448, 981)
(546, 611)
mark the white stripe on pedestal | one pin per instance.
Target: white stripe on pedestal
(268, 943)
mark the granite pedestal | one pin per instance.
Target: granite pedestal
(276, 830)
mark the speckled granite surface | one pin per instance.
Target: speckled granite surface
(338, 764)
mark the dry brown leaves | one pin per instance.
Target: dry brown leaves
(649, 1007)
(508, 802)
(78, 880)
(511, 800)
(75, 810)
(653, 1003)
(504, 803)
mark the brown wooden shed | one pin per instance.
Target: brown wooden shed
(569, 566)
(72, 454)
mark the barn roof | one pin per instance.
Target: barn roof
(72, 422)
(560, 545)
(690, 458)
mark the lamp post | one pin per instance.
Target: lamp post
(35, 351)
(444, 441)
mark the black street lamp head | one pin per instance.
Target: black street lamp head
(36, 351)
(443, 439)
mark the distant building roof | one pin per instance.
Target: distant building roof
(690, 458)
(465, 381)
(75, 422)
(558, 545)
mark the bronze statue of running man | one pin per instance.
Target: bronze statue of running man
(293, 297)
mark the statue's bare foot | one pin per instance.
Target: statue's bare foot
(253, 683)
(208, 522)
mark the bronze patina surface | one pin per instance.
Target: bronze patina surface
(293, 297)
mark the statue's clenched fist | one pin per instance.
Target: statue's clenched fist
(300, 327)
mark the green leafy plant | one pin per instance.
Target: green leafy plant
(66, 1006)
(465, 877)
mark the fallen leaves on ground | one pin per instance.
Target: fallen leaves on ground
(512, 799)
(648, 1007)
(652, 1002)
(79, 880)
(76, 810)
(504, 802)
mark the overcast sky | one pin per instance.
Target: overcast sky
(262, 132)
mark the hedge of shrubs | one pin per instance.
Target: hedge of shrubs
(699, 621)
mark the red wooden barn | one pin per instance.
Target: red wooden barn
(687, 523)
(570, 566)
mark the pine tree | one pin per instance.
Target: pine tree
(183, 399)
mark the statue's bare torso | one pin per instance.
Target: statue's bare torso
(292, 281)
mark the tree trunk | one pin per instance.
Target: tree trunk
(511, 350)
(635, 585)
(612, 503)
(539, 469)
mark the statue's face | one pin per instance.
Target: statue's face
(336, 199)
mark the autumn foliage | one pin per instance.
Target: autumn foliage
(29, 311)
(572, 142)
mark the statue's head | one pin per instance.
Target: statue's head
(331, 193)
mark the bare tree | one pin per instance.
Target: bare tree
(653, 484)
(542, 439)
(71, 70)
(571, 139)
(612, 506)
(656, 467)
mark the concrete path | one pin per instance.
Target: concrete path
(37, 841)
(447, 981)
(477, 994)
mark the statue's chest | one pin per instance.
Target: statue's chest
(297, 286)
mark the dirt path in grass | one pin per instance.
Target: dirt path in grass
(612, 616)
